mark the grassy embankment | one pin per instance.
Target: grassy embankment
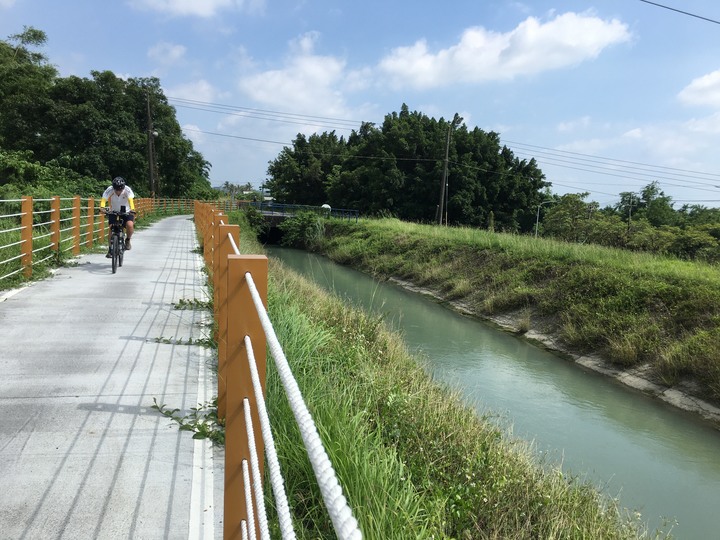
(632, 308)
(414, 461)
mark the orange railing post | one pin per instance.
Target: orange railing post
(242, 321)
(76, 225)
(218, 218)
(208, 235)
(103, 232)
(26, 235)
(223, 248)
(91, 222)
(206, 231)
(55, 225)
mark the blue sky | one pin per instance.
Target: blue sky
(607, 95)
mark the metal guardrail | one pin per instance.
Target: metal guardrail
(281, 209)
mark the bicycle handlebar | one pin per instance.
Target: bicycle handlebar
(116, 213)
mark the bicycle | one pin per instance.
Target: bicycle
(117, 238)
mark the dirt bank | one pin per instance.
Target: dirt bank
(682, 396)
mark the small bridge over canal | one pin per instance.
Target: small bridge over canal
(275, 213)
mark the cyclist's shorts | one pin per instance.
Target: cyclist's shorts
(112, 218)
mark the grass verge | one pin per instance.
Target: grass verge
(632, 308)
(414, 461)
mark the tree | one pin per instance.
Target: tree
(696, 243)
(571, 218)
(29, 36)
(98, 127)
(697, 214)
(398, 168)
(300, 175)
(658, 208)
(651, 203)
(25, 80)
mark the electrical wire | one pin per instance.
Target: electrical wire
(261, 114)
(193, 130)
(626, 169)
(680, 11)
(660, 179)
(643, 168)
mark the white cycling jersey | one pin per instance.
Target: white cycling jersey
(115, 201)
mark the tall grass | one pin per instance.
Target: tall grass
(549, 249)
(413, 460)
(630, 307)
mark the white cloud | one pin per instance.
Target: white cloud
(574, 125)
(194, 133)
(708, 125)
(358, 80)
(594, 146)
(198, 8)
(657, 144)
(636, 133)
(704, 90)
(482, 55)
(199, 90)
(242, 59)
(6, 3)
(167, 53)
(308, 82)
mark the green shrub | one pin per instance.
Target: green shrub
(304, 230)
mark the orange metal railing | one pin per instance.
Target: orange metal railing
(235, 318)
(39, 231)
(58, 225)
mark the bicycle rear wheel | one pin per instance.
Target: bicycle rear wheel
(121, 251)
(115, 247)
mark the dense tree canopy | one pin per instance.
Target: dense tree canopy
(97, 127)
(398, 169)
(644, 221)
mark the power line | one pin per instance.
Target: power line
(680, 11)
(235, 136)
(254, 110)
(616, 173)
(261, 114)
(621, 162)
(617, 165)
(584, 189)
(631, 170)
(325, 154)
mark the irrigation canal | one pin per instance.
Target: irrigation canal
(659, 461)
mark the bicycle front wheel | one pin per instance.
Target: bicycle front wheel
(121, 250)
(115, 247)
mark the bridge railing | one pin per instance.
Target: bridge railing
(243, 327)
(281, 209)
(37, 232)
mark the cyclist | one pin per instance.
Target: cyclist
(118, 195)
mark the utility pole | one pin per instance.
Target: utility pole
(444, 184)
(151, 134)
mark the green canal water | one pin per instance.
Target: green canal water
(659, 461)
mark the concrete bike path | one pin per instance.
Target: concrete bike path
(82, 355)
